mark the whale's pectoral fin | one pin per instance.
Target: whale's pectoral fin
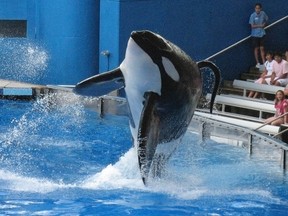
(217, 75)
(100, 84)
(148, 134)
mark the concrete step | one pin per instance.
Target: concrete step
(231, 90)
(227, 88)
(249, 76)
(254, 70)
(20, 90)
(228, 83)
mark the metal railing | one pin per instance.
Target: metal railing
(233, 131)
(244, 39)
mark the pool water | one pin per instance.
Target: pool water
(60, 158)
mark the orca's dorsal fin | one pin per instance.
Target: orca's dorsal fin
(217, 76)
(101, 84)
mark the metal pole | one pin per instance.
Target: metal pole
(101, 107)
(284, 159)
(280, 132)
(250, 140)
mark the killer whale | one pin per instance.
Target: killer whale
(163, 86)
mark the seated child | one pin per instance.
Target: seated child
(265, 76)
(281, 106)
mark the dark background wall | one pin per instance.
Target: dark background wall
(69, 40)
(202, 28)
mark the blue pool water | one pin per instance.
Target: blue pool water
(60, 158)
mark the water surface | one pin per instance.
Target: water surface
(60, 158)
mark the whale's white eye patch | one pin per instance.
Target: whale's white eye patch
(170, 69)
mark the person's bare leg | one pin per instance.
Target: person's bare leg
(269, 120)
(264, 82)
(251, 93)
(277, 122)
(256, 94)
(277, 83)
(262, 52)
(256, 49)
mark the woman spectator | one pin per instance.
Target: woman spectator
(281, 106)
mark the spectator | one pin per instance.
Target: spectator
(286, 55)
(286, 91)
(265, 76)
(258, 20)
(280, 71)
(281, 106)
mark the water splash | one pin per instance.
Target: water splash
(22, 60)
(39, 116)
(29, 184)
(181, 184)
(22, 145)
(123, 174)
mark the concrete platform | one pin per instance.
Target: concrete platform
(14, 89)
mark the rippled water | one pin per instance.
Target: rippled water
(60, 158)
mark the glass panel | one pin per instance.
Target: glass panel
(13, 28)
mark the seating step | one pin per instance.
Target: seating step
(231, 90)
(227, 83)
(254, 70)
(251, 76)
(234, 104)
(251, 86)
(269, 129)
(249, 99)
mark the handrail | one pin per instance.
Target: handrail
(281, 132)
(244, 39)
(223, 124)
(269, 122)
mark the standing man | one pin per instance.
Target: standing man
(258, 21)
